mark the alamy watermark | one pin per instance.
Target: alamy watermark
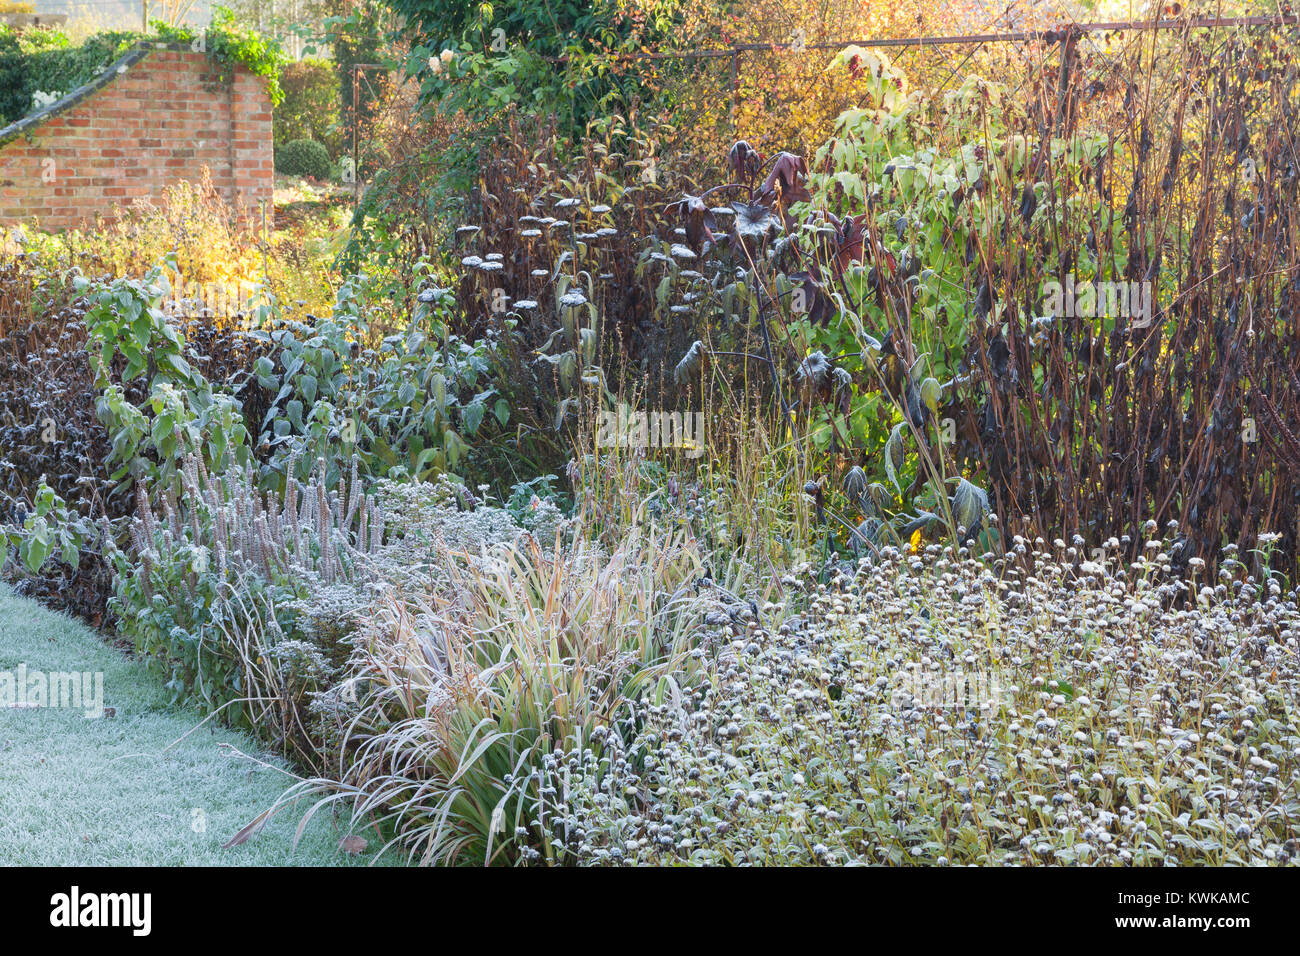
(80, 690)
(215, 299)
(133, 911)
(625, 428)
(1104, 299)
(928, 690)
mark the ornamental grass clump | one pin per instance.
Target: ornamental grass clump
(944, 708)
(464, 689)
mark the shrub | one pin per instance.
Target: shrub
(409, 408)
(135, 348)
(551, 58)
(144, 403)
(475, 61)
(47, 61)
(906, 316)
(310, 108)
(51, 428)
(517, 263)
(303, 157)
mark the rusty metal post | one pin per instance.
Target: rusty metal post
(735, 87)
(356, 178)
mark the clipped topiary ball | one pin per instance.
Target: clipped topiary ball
(303, 157)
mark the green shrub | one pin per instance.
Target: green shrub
(303, 157)
(310, 109)
(183, 413)
(411, 408)
(474, 61)
(506, 53)
(46, 61)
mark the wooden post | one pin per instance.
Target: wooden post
(1065, 89)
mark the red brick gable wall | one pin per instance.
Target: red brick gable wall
(157, 123)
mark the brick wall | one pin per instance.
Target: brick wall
(168, 115)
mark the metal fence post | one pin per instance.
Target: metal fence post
(735, 87)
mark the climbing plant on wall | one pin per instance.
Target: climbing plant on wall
(49, 62)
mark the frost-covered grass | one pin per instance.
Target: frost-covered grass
(127, 789)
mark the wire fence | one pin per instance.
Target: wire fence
(751, 72)
(1089, 64)
(1056, 34)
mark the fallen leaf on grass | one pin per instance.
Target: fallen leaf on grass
(353, 845)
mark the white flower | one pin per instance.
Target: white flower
(435, 65)
(447, 55)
